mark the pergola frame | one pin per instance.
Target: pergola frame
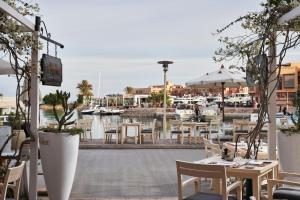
(34, 92)
(272, 137)
(28, 26)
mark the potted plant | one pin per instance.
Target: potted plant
(289, 140)
(18, 134)
(59, 149)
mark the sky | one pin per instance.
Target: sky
(121, 41)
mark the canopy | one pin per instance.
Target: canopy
(5, 68)
(216, 78)
(222, 78)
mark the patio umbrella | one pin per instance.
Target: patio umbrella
(5, 68)
(218, 78)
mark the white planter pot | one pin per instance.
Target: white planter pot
(59, 153)
(17, 139)
(289, 152)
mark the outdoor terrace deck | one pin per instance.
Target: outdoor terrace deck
(129, 174)
(160, 144)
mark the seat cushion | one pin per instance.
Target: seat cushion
(179, 132)
(287, 193)
(146, 131)
(204, 195)
(111, 131)
(241, 131)
(207, 196)
(204, 131)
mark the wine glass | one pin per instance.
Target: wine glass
(242, 141)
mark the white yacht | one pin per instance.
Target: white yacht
(185, 111)
(107, 110)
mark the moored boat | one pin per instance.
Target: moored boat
(107, 111)
(88, 111)
(185, 111)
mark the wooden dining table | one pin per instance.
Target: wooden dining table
(245, 169)
(242, 149)
(194, 126)
(137, 132)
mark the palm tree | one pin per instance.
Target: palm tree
(86, 90)
(128, 90)
(157, 99)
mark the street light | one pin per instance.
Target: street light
(165, 68)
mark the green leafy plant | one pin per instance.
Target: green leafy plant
(61, 98)
(15, 121)
(265, 43)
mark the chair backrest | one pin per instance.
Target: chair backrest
(153, 125)
(200, 171)
(240, 124)
(88, 124)
(175, 124)
(211, 148)
(13, 174)
(214, 124)
(107, 125)
(284, 122)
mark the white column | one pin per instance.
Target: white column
(34, 98)
(272, 102)
(165, 104)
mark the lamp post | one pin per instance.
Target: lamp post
(287, 99)
(165, 69)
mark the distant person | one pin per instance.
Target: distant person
(284, 111)
(196, 110)
(279, 109)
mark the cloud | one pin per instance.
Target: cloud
(123, 40)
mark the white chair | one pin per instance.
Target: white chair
(110, 129)
(240, 128)
(149, 132)
(12, 179)
(180, 131)
(214, 128)
(287, 190)
(86, 125)
(198, 171)
(211, 149)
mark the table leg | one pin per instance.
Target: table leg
(122, 138)
(139, 134)
(135, 136)
(216, 185)
(256, 187)
(117, 135)
(195, 135)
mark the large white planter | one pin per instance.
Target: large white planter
(289, 152)
(59, 153)
(17, 139)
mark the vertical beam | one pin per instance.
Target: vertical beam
(165, 105)
(223, 104)
(272, 136)
(17, 16)
(34, 98)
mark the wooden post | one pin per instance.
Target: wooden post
(272, 136)
(34, 98)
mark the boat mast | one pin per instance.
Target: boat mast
(99, 101)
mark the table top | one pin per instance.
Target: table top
(244, 167)
(131, 124)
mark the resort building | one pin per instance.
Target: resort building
(7, 105)
(287, 87)
(138, 96)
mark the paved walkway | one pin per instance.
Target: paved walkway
(129, 173)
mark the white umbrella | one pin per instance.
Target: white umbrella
(5, 68)
(222, 78)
